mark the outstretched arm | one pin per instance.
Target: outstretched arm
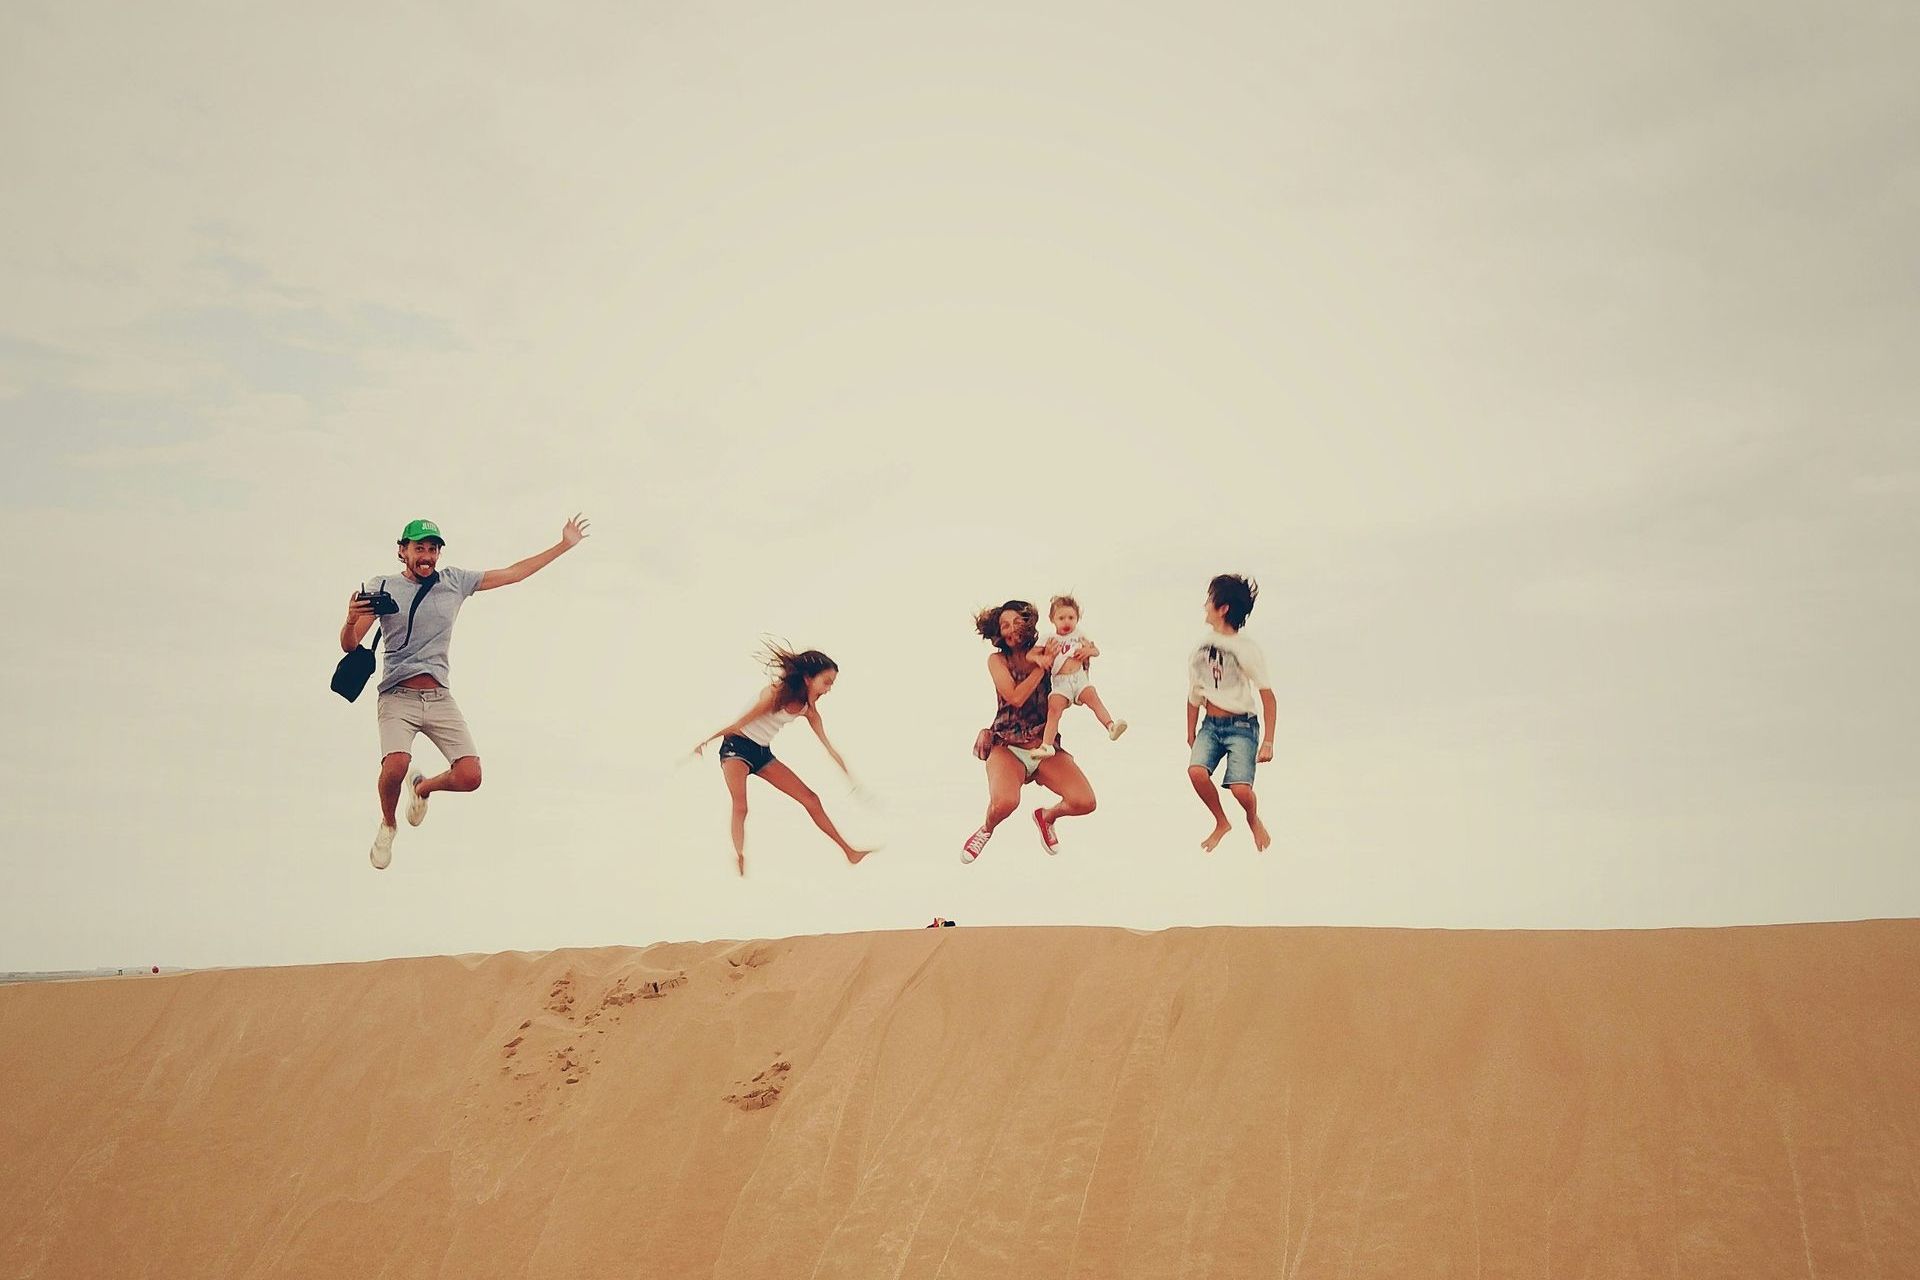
(761, 705)
(820, 732)
(521, 570)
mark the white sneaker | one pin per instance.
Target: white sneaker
(382, 852)
(975, 843)
(417, 805)
(1119, 727)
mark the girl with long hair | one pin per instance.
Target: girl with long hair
(798, 682)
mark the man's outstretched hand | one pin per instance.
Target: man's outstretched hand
(520, 570)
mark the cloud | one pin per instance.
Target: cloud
(172, 400)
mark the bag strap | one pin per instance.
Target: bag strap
(418, 596)
(373, 642)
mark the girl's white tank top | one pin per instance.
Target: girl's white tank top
(761, 730)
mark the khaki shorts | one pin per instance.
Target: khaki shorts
(405, 712)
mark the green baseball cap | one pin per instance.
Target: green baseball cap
(421, 530)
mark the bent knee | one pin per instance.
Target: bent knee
(467, 770)
(1199, 773)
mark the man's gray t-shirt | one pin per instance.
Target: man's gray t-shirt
(424, 652)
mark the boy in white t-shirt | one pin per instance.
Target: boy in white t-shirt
(1226, 680)
(1069, 644)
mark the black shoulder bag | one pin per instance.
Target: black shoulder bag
(350, 676)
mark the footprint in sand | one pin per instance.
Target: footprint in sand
(751, 960)
(621, 994)
(763, 1090)
(569, 1064)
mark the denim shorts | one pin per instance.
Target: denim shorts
(739, 747)
(1235, 739)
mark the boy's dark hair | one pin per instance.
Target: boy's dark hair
(791, 671)
(987, 623)
(1054, 604)
(1236, 595)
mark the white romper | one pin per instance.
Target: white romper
(1075, 686)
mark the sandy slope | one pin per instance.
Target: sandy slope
(990, 1103)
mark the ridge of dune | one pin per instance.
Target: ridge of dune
(979, 1102)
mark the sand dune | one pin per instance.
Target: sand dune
(987, 1103)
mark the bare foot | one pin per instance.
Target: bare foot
(1212, 842)
(854, 855)
(740, 863)
(1260, 837)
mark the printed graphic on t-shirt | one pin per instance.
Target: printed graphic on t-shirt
(1069, 647)
(1217, 659)
(1234, 670)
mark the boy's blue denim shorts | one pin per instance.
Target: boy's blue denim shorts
(1234, 738)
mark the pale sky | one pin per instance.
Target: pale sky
(1550, 368)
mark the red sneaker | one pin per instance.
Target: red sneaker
(1047, 837)
(975, 843)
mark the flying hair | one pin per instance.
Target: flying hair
(987, 623)
(790, 669)
(1235, 594)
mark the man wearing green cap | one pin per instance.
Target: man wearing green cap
(415, 693)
